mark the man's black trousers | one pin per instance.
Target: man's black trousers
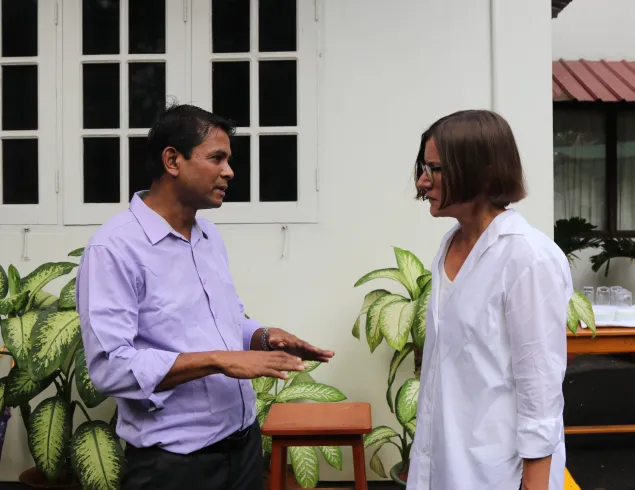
(235, 463)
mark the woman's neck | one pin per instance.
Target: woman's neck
(474, 221)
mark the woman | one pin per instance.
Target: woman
(490, 400)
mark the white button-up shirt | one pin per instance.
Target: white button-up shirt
(493, 363)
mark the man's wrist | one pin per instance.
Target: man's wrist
(264, 339)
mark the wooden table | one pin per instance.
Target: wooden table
(608, 340)
(317, 424)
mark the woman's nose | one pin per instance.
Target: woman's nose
(424, 183)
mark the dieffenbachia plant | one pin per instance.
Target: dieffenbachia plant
(400, 319)
(42, 334)
(299, 387)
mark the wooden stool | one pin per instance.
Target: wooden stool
(317, 424)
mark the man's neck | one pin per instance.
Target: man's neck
(165, 203)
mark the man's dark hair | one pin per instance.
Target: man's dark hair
(479, 157)
(182, 127)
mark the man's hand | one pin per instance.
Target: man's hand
(254, 364)
(285, 341)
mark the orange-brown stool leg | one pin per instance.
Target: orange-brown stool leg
(278, 465)
(359, 465)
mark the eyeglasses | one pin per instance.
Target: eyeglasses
(427, 169)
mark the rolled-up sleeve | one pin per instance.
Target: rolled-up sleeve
(106, 294)
(536, 307)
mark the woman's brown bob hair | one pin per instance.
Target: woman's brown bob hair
(479, 158)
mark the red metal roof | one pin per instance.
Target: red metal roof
(582, 80)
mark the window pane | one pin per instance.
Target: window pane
(20, 171)
(101, 95)
(101, 170)
(146, 92)
(19, 97)
(626, 171)
(580, 166)
(277, 93)
(230, 26)
(279, 168)
(19, 28)
(100, 27)
(138, 177)
(146, 26)
(239, 189)
(230, 90)
(277, 25)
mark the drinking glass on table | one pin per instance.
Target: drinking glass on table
(603, 296)
(589, 292)
(626, 298)
(615, 291)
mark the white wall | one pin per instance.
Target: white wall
(389, 69)
(594, 30)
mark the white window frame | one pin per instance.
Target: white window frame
(76, 212)
(45, 212)
(305, 209)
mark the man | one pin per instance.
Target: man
(164, 330)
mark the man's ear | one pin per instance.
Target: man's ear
(171, 162)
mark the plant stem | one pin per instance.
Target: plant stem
(76, 403)
(69, 387)
(6, 353)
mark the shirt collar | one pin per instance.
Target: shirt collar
(155, 226)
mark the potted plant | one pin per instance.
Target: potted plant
(400, 319)
(42, 334)
(300, 387)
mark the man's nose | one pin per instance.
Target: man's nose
(228, 172)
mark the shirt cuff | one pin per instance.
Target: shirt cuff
(249, 329)
(538, 438)
(155, 366)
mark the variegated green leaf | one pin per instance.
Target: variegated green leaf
(376, 464)
(332, 455)
(395, 321)
(411, 268)
(303, 377)
(268, 397)
(369, 299)
(97, 456)
(16, 333)
(407, 401)
(423, 280)
(262, 411)
(69, 358)
(67, 296)
(263, 384)
(355, 329)
(309, 366)
(48, 435)
(266, 444)
(4, 283)
(306, 466)
(13, 305)
(21, 388)
(3, 384)
(584, 309)
(14, 280)
(419, 321)
(260, 405)
(411, 427)
(77, 252)
(44, 274)
(573, 319)
(316, 392)
(43, 300)
(379, 434)
(389, 273)
(85, 386)
(52, 337)
(374, 335)
(397, 358)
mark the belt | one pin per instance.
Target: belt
(234, 441)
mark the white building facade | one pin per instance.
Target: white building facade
(329, 119)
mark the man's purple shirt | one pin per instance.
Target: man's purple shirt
(145, 294)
